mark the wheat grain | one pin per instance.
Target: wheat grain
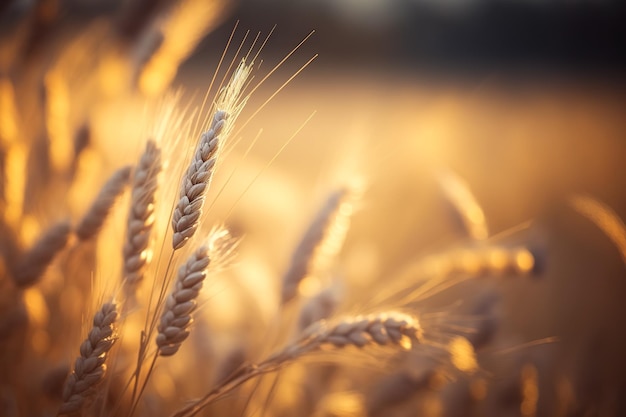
(34, 262)
(91, 223)
(90, 366)
(321, 241)
(136, 252)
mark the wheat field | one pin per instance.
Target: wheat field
(243, 234)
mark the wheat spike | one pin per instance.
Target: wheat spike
(388, 328)
(381, 329)
(34, 262)
(197, 178)
(140, 221)
(196, 182)
(181, 302)
(321, 241)
(90, 366)
(91, 223)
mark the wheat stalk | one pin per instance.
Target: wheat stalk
(140, 220)
(321, 241)
(34, 262)
(91, 223)
(90, 367)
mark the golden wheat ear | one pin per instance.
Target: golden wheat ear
(197, 179)
(92, 222)
(140, 221)
(34, 262)
(182, 301)
(90, 366)
(321, 242)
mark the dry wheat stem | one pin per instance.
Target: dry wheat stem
(91, 223)
(136, 252)
(320, 243)
(196, 181)
(34, 262)
(181, 302)
(90, 367)
(382, 329)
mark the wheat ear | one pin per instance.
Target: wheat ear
(90, 366)
(34, 262)
(136, 252)
(91, 223)
(196, 182)
(388, 328)
(197, 178)
(181, 302)
(321, 241)
(385, 328)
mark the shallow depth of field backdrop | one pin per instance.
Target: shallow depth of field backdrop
(524, 101)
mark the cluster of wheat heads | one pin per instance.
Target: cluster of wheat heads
(146, 345)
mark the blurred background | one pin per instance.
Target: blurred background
(524, 100)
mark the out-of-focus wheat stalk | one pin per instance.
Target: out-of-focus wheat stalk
(93, 220)
(321, 242)
(35, 261)
(136, 251)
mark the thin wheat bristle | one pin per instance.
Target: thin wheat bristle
(90, 366)
(196, 181)
(136, 251)
(34, 262)
(91, 223)
(181, 302)
(321, 241)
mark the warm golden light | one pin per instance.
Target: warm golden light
(462, 354)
